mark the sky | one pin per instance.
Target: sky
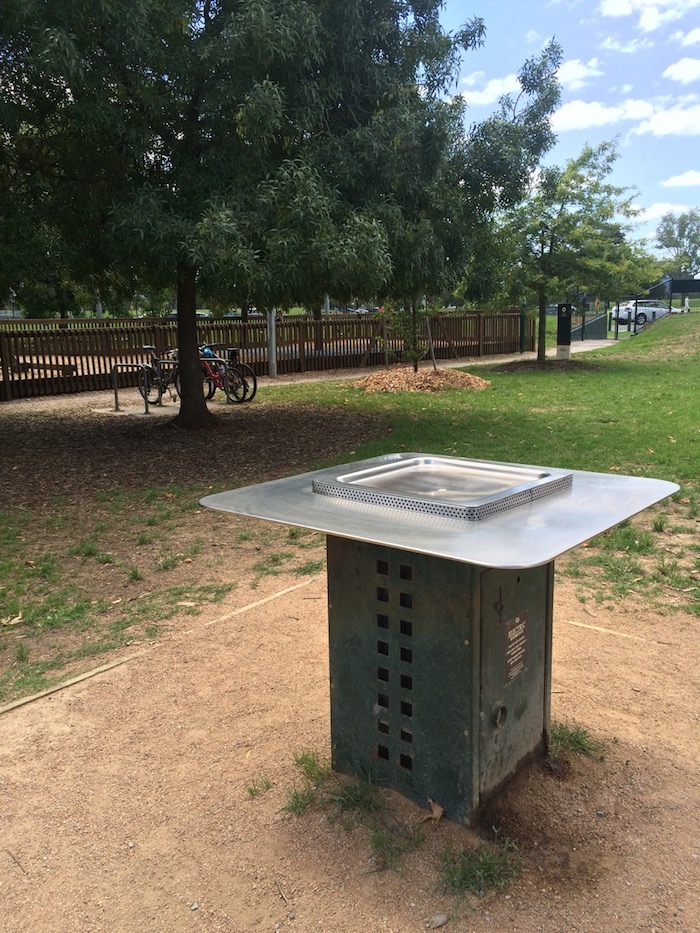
(630, 73)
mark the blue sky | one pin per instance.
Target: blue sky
(631, 72)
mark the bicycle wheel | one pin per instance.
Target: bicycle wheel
(238, 388)
(149, 385)
(208, 384)
(248, 375)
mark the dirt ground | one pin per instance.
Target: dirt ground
(126, 798)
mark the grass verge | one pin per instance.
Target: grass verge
(81, 579)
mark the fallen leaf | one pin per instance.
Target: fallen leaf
(14, 620)
(435, 814)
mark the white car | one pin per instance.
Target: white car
(648, 309)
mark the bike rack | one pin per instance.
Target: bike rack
(224, 365)
(131, 366)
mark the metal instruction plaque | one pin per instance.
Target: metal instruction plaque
(516, 646)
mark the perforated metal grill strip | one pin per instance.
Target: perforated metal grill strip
(463, 512)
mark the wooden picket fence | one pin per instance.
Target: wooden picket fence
(56, 357)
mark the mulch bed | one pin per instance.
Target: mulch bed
(425, 380)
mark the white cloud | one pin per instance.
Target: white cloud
(626, 48)
(651, 14)
(685, 70)
(575, 74)
(679, 120)
(491, 92)
(474, 78)
(580, 114)
(652, 18)
(657, 210)
(688, 179)
(689, 38)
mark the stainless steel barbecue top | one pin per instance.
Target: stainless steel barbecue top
(469, 490)
(481, 512)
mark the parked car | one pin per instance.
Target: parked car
(201, 315)
(553, 310)
(648, 309)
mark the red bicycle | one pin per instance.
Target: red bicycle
(235, 379)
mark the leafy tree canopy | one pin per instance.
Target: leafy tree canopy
(679, 237)
(272, 150)
(570, 235)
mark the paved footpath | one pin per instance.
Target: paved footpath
(334, 375)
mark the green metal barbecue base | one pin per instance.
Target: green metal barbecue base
(440, 671)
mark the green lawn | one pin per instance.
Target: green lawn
(635, 410)
(632, 408)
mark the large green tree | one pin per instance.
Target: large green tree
(180, 139)
(571, 234)
(678, 235)
(268, 149)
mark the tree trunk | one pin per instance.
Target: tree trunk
(542, 328)
(194, 414)
(414, 335)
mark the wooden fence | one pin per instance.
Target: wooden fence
(56, 357)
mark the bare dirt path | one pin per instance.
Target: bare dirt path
(125, 799)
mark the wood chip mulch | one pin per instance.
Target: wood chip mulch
(425, 380)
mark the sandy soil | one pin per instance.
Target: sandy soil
(126, 797)
(125, 802)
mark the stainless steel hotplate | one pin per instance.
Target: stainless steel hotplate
(469, 490)
(419, 502)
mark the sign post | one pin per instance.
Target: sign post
(564, 331)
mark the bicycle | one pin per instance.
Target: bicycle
(237, 380)
(158, 375)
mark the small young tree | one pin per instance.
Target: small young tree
(571, 234)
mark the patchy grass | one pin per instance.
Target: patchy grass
(352, 802)
(568, 741)
(259, 786)
(477, 871)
